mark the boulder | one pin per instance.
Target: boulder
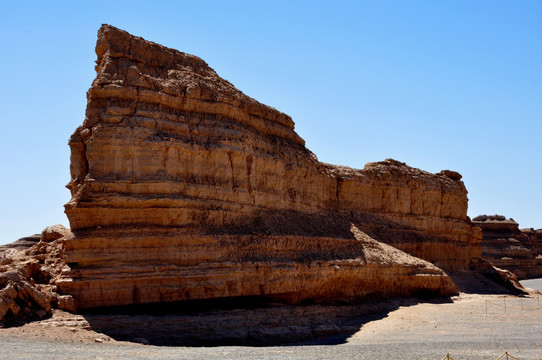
(53, 232)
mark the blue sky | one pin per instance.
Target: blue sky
(436, 84)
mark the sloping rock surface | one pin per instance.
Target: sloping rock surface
(508, 247)
(184, 188)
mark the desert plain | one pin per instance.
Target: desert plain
(470, 326)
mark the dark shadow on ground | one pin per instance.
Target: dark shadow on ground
(241, 322)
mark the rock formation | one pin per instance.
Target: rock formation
(508, 247)
(534, 240)
(28, 270)
(184, 188)
(21, 244)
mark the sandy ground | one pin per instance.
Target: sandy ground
(532, 283)
(470, 327)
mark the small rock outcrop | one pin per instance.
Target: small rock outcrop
(508, 247)
(184, 188)
(28, 271)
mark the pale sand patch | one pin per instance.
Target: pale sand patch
(498, 322)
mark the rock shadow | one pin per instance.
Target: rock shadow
(241, 322)
(486, 281)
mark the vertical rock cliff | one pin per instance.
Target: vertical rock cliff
(185, 188)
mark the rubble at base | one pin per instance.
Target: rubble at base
(28, 270)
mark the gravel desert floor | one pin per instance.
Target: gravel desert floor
(470, 327)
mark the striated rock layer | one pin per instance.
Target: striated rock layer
(185, 188)
(508, 247)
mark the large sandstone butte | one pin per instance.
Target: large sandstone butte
(184, 188)
(508, 247)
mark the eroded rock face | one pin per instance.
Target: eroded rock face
(185, 188)
(29, 268)
(508, 247)
(534, 239)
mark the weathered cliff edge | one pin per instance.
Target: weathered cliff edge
(184, 188)
(508, 247)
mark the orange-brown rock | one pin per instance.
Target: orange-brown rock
(185, 188)
(508, 247)
(29, 268)
(534, 239)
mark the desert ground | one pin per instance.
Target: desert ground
(468, 327)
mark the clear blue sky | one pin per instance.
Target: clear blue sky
(436, 84)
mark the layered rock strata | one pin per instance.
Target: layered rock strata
(508, 247)
(184, 188)
(534, 240)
